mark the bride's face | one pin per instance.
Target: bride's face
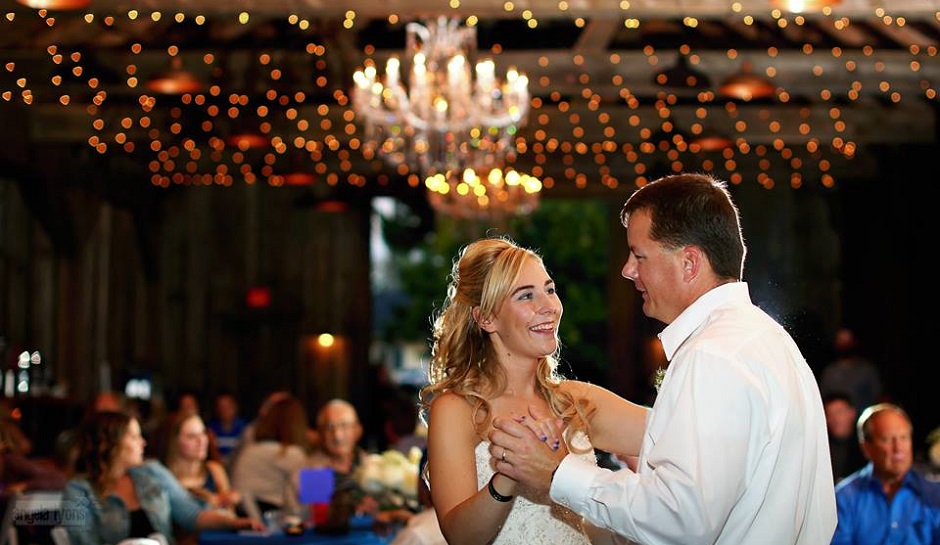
(526, 324)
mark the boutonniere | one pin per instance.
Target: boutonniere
(658, 378)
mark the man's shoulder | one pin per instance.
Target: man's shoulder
(928, 490)
(855, 484)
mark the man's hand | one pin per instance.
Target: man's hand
(527, 449)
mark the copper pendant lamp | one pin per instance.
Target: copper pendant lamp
(746, 85)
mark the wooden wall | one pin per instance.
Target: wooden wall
(164, 294)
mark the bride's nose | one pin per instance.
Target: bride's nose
(551, 305)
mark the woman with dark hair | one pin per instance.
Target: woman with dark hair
(119, 496)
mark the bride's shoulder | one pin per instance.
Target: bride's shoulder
(449, 401)
(449, 408)
(576, 388)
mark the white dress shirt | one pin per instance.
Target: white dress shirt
(735, 448)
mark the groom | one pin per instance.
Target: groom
(735, 447)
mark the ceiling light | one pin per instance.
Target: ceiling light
(471, 196)
(804, 6)
(746, 85)
(710, 141)
(175, 81)
(246, 140)
(455, 116)
(63, 5)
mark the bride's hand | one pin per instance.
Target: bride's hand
(546, 428)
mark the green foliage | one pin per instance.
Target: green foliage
(572, 237)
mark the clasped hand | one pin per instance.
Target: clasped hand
(528, 448)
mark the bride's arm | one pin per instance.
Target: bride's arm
(617, 425)
(466, 515)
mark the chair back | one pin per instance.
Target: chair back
(250, 505)
(159, 538)
(60, 536)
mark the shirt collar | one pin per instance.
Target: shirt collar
(912, 480)
(695, 315)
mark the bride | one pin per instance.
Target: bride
(494, 347)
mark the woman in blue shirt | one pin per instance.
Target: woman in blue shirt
(120, 497)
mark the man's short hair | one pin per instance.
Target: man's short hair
(862, 427)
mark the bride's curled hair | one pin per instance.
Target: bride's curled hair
(463, 359)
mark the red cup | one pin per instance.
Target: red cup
(319, 513)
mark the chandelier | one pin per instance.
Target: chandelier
(453, 129)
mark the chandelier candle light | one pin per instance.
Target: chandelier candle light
(454, 130)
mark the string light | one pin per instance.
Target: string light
(190, 148)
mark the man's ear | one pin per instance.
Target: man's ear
(692, 261)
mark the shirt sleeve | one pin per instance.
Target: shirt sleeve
(290, 463)
(77, 516)
(184, 509)
(846, 521)
(695, 465)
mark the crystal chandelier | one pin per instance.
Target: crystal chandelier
(473, 197)
(451, 128)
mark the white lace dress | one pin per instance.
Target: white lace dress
(534, 518)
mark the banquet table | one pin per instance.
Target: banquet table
(360, 533)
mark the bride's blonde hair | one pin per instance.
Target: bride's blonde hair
(463, 359)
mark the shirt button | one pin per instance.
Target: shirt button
(894, 524)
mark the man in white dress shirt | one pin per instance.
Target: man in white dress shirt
(735, 449)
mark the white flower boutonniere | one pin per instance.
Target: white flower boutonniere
(658, 378)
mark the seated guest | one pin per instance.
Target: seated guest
(844, 449)
(119, 496)
(247, 436)
(267, 469)
(227, 426)
(887, 501)
(187, 459)
(19, 473)
(339, 430)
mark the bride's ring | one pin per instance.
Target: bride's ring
(503, 457)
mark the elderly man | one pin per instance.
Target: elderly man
(886, 501)
(339, 433)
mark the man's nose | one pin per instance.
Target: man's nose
(629, 269)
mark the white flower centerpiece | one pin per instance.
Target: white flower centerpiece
(391, 478)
